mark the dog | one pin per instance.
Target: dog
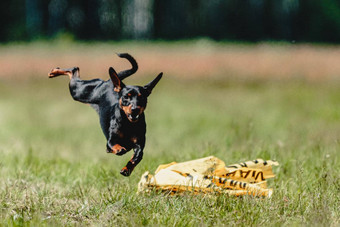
(120, 108)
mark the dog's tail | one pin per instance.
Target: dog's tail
(123, 74)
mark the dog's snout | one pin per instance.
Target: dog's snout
(135, 109)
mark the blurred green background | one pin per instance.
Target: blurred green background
(242, 80)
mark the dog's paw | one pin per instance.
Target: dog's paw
(118, 150)
(125, 172)
(59, 72)
(54, 72)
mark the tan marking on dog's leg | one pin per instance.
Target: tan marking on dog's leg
(117, 148)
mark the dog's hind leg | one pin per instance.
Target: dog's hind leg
(85, 91)
(71, 72)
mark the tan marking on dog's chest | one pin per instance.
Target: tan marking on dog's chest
(120, 134)
(134, 139)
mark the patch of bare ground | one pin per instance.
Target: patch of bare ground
(200, 59)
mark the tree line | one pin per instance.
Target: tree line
(244, 20)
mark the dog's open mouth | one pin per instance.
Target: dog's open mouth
(133, 117)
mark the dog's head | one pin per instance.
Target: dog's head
(132, 99)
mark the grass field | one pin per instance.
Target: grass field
(54, 168)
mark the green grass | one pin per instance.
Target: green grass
(54, 168)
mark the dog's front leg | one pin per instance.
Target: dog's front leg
(136, 158)
(113, 144)
(113, 147)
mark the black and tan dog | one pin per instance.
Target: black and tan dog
(120, 108)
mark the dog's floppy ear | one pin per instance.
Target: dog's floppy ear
(152, 84)
(118, 85)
